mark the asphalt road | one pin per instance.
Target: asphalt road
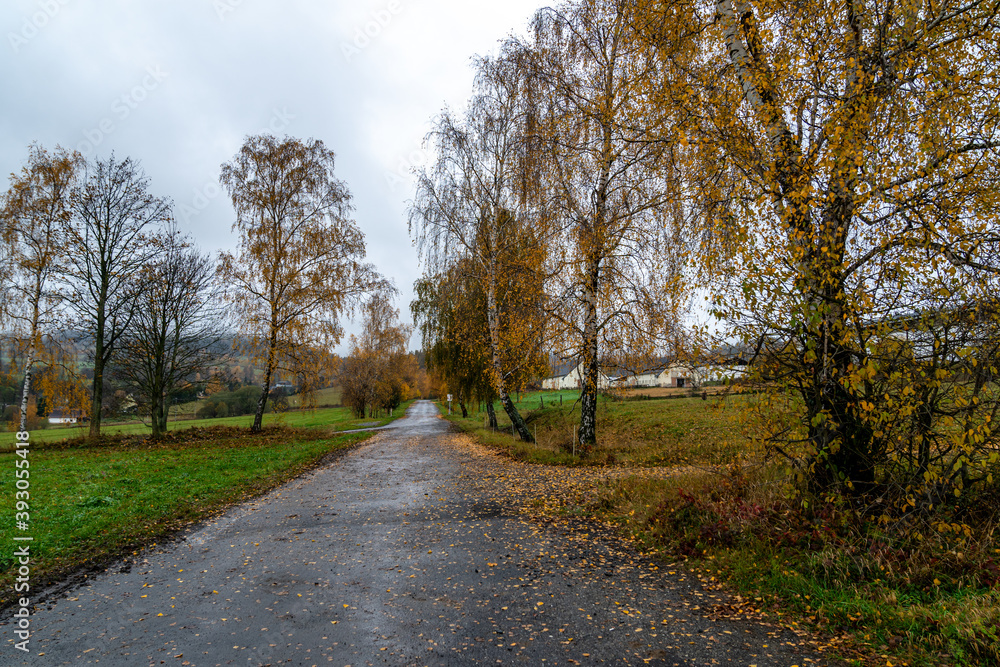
(416, 548)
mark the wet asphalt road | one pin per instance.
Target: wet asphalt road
(406, 551)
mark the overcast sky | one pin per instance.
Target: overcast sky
(178, 84)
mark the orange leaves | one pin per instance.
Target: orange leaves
(299, 266)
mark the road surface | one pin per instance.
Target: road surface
(416, 548)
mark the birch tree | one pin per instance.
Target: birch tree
(857, 144)
(371, 376)
(608, 155)
(450, 310)
(36, 214)
(472, 208)
(111, 239)
(455, 339)
(299, 263)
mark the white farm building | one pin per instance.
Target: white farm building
(569, 375)
(65, 417)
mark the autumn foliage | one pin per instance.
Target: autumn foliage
(379, 374)
(299, 265)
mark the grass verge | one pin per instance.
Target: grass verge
(881, 598)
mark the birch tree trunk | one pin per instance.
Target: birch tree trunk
(32, 350)
(97, 393)
(26, 387)
(501, 384)
(258, 419)
(591, 366)
(841, 440)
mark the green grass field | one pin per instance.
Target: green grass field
(324, 398)
(340, 419)
(654, 432)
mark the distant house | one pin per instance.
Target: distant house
(722, 365)
(662, 374)
(679, 376)
(283, 387)
(65, 417)
(569, 375)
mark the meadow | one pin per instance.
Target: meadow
(636, 430)
(340, 419)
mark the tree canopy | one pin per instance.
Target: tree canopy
(299, 265)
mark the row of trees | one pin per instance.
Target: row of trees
(825, 173)
(93, 257)
(555, 193)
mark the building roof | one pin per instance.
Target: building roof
(65, 414)
(562, 368)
